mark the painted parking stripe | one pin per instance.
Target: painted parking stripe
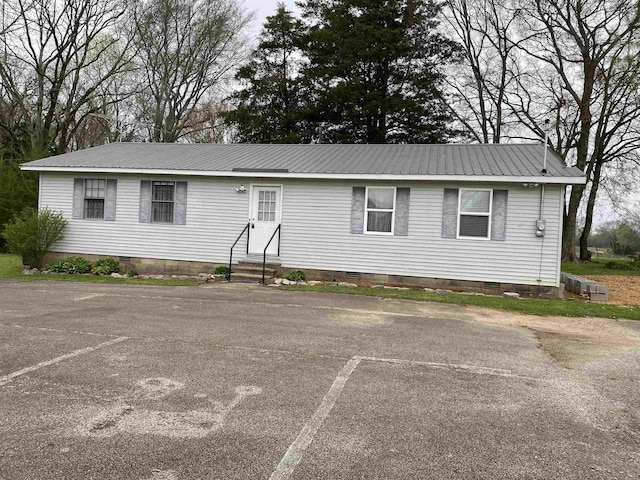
(500, 372)
(7, 378)
(294, 454)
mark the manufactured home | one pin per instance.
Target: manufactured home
(474, 217)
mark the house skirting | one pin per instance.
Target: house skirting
(154, 266)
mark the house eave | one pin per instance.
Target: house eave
(318, 176)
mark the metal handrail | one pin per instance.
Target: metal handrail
(264, 254)
(247, 229)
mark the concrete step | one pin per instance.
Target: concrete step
(257, 269)
(242, 277)
(250, 270)
(271, 261)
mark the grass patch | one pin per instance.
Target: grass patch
(11, 267)
(595, 268)
(530, 306)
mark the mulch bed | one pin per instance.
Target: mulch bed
(623, 289)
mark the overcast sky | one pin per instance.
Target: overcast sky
(262, 9)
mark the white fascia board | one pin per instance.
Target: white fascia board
(320, 176)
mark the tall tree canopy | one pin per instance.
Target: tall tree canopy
(59, 57)
(185, 49)
(365, 71)
(573, 62)
(588, 66)
(488, 34)
(375, 67)
(270, 106)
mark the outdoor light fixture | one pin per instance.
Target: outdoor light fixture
(241, 189)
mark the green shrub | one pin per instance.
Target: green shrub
(31, 234)
(132, 273)
(56, 267)
(221, 270)
(613, 265)
(69, 265)
(296, 276)
(106, 266)
(77, 265)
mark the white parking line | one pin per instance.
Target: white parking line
(57, 330)
(294, 454)
(500, 372)
(7, 378)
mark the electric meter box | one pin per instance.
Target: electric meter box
(541, 227)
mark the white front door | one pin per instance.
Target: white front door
(266, 206)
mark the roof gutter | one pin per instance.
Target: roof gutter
(318, 176)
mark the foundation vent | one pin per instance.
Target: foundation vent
(491, 285)
(353, 275)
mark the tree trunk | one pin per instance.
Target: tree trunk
(586, 231)
(569, 230)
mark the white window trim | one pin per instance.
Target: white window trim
(476, 214)
(173, 219)
(367, 210)
(85, 198)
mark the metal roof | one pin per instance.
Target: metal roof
(497, 162)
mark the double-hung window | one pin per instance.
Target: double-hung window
(380, 205)
(474, 213)
(162, 202)
(94, 194)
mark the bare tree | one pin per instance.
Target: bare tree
(590, 47)
(206, 124)
(185, 49)
(50, 75)
(487, 34)
(574, 62)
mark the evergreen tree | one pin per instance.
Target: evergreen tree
(270, 107)
(375, 69)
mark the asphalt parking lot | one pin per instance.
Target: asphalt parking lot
(247, 382)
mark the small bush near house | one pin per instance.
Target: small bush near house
(296, 276)
(31, 234)
(56, 267)
(76, 265)
(69, 265)
(132, 273)
(221, 270)
(106, 266)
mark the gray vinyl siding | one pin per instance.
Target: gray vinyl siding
(318, 213)
(215, 216)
